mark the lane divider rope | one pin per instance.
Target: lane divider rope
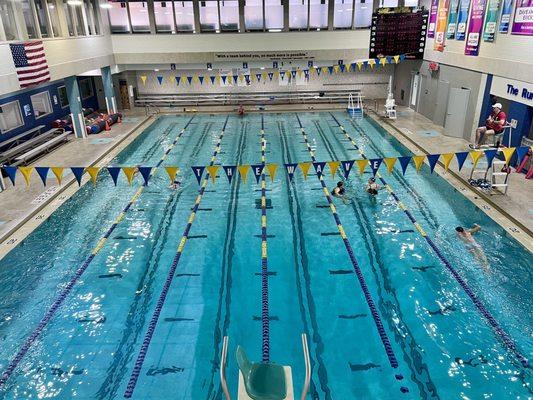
(504, 336)
(364, 287)
(170, 276)
(15, 361)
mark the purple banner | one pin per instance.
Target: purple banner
(475, 27)
(523, 18)
(433, 18)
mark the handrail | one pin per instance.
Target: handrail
(223, 357)
(305, 347)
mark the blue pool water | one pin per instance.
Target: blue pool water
(444, 347)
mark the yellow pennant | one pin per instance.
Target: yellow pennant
(272, 168)
(172, 171)
(324, 70)
(447, 157)
(304, 166)
(143, 79)
(241, 77)
(383, 61)
(212, 169)
(129, 172)
(418, 160)
(336, 69)
(276, 73)
(507, 154)
(58, 172)
(26, 173)
(333, 167)
(371, 62)
(396, 59)
(476, 155)
(229, 79)
(264, 76)
(362, 165)
(218, 79)
(172, 79)
(348, 67)
(184, 79)
(195, 78)
(359, 65)
(389, 162)
(243, 171)
(93, 173)
(299, 72)
(252, 78)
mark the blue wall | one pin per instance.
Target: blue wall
(57, 113)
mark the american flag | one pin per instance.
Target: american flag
(30, 63)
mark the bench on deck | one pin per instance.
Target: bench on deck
(10, 155)
(43, 148)
(21, 137)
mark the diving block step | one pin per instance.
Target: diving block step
(288, 380)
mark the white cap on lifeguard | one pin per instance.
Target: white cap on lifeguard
(497, 105)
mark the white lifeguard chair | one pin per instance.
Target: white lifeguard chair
(355, 108)
(390, 103)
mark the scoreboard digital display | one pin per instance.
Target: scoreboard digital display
(398, 31)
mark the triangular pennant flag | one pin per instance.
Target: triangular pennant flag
(319, 167)
(212, 171)
(282, 74)
(78, 173)
(160, 79)
(270, 75)
(145, 173)
(264, 75)
(347, 167)
(418, 160)
(235, 77)
(114, 171)
(402, 57)
(251, 77)
(230, 79)
(189, 79)
(26, 173)
(461, 157)
(433, 159)
(172, 171)
(396, 59)
(359, 65)
(365, 64)
(247, 77)
(350, 67)
(178, 79)
(258, 76)
(375, 164)
(257, 169)
(93, 173)
(230, 171)
(306, 73)
(293, 73)
(212, 78)
(304, 166)
(172, 79)
(243, 172)
(447, 157)
(489, 155)
(404, 162)
(342, 67)
(198, 172)
(195, 78)
(336, 68)
(217, 78)
(11, 173)
(129, 172)
(224, 78)
(271, 169)
(290, 170)
(508, 154)
(475, 155)
(521, 153)
(389, 162)
(299, 72)
(330, 70)
(326, 69)
(201, 79)
(333, 167)
(43, 173)
(383, 61)
(371, 62)
(362, 165)
(318, 70)
(143, 79)
(58, 172)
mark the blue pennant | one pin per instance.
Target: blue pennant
(365, 64)
(389, 59)
(212, 77)
(319, 167)
(201, 79)
(270, 75)
(521, 152)
(198, 172)
(247, 78)
(178, 79)
(306, 73)
(290, 170)
(293, 73)
(258, 76)
(353, 65)
(402, 57)
(282, 74)
(78, 173)
(330, 69)
(230, 171)
(189, 79)
(490, 154)
(114, 171)
(145, 173)
(257, 170)
(235, 78)
(347, 167)
(43, 173)
(11, 173)
(318, 71)
(432, 159)
(461, 157)
(224, 78)
(160, 79)
(343, 67)
(375, 164)
(404, 162)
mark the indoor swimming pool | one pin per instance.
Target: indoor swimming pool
(89, 344)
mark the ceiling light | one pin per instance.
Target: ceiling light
(106, 5)
(74, 2)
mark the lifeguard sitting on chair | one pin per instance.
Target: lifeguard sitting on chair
(495, 125)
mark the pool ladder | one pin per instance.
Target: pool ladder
(307, 361)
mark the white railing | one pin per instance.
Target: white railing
(307, 361)
(223, 357)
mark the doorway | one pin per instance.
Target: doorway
(456, 113)
(124, 95)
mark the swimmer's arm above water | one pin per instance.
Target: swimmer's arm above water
(475, 228)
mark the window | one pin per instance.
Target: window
(253, 15)
(118, 17)
(41, 105)
(164, 18)
(411, 3)
(388, 3)
(77, 11)
(10, 116)
(363, 13)
(8, 20)
(229, 15)
(209, 16)
(63, 97)
(29, 19)
(140, 22)
(91, 11)
(298, 14)
(184, 16)
(54, 17)
(68, 16)
(318, 14)
(343, 13)
(42, 18)
(86, 88)
(273, 15)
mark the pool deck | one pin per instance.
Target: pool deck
(23, 208)
(513, 211)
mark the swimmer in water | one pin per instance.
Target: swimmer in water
(340, 192)
(175, 185)
(372, 187)
(466, 235)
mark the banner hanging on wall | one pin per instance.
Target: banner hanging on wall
(433, 18)
(452, 19)
(505, 18)
(489, 30)
(475, 26)
(523, 18)
(462, 18)
(442, 19)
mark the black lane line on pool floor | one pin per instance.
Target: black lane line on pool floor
(79, 272)
(162, 297)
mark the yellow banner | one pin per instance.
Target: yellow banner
(348, 67)
(243, 171)
(58, 172)
(299, 72)
(276, 73)
(272, 168)
(418, 160)
(476, 155)
(304, 166)
(143, 79)
(264, 76)
(217, 79)
(447, 157)
(371, 62)
(336, 69)
(362, 165)
(26, 173)
(396, 59)
(93, 173)
(389, 162)
(172, 79)
(184, 79)
(383, 61)
(359, 65)
(129, 172)
(212, 169)
(507, 154)
(333, 167)
(324, 70)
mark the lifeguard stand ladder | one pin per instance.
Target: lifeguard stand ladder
(355, 109)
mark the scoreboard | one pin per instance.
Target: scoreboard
(400, 30)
